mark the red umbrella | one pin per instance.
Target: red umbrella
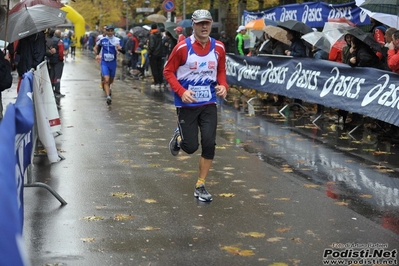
(20, 5)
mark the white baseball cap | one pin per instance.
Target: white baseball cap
(241, 28)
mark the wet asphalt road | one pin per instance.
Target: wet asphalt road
(283, 192)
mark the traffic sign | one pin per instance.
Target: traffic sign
(144, 9)
(169, 5)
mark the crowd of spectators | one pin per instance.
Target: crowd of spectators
(355, 53)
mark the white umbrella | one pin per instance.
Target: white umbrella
(387, 19)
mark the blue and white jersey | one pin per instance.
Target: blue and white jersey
(108, 48)
(198, 74)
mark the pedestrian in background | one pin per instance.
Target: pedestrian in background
(74, 41)
(56, 65)
(67, 43)
(241, 41)
(196, 72)
(155, 55)
(226, 41)
(107, 49)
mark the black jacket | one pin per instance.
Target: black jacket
(5, 73)
(155, 44)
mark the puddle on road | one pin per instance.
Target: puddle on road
(358, 170)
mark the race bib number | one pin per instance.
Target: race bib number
(109, 57)
(202, 93)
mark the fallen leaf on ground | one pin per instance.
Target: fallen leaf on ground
(296, 239)
(283, 229)
(252, 234)
(237, 251)
(274, 239)
(150, 201)
(310, 232)
(148, 228)
(93, 218)
(227, 195)
(311, 186)
(278, 213)
(366, 196)
(122, 195)
(278, 264)
(287, 170)
(171, 169)
(123, 217)
(198, 227)
(342, 203)
(382, 152)
(88, 239)
(283, 199)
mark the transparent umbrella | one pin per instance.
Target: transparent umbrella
(334, 31)
(318, 39)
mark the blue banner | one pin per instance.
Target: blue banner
(15, 157)
(24, 119)
(314, 14)
(10, 217)
(367, 91)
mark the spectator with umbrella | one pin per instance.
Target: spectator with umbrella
(30, 51)
(297, 48)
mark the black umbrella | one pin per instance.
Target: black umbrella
(30, 20)
(365, 37)
(295, 25)
(139, 31)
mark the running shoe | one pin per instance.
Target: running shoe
(173, 145)
(202, 194)
(109, 101)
